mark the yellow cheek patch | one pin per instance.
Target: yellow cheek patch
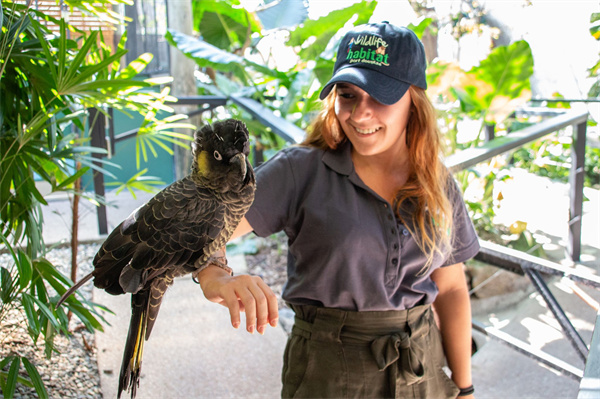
(202, 161)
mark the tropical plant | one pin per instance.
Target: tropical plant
(551, 157)
(47, 84)
(488, 93)
(228, 57)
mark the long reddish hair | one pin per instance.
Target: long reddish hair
(426, 190)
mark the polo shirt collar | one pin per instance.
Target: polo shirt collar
(340, 159)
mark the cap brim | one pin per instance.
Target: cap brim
(381, 87)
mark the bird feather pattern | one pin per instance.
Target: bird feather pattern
(175, 233)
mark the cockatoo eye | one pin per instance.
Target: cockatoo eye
(217, 156)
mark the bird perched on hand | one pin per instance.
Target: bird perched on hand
(180, 230)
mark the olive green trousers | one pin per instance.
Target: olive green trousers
(333, 353)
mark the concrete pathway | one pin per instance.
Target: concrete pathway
(193, 351)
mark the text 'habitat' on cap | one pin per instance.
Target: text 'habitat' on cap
(382, 59)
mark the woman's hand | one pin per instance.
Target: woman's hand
(241, 293)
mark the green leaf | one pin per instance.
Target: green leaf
(205, 54)
(51, 274)
(222, 31)
(593, 71)
(36, 379)
(83, 74)
(49, 335)
(11, 378)
(138, 181)
(62, 52)
(35, 165)
(595, 28)
(283, 14)
(5, 361)
(500, 83)
(31, 187)
(31, 314)
(420, 28)
(9, 248)
(229, 9)
(86, 317)
(70, 180)
(92, 165)
(6, 287)
(25, 269)
(45, 310)
(136, 66)
(75, 64)
(45, 47)
(300, 85)
(325, 28)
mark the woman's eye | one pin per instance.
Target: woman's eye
(345, 95)
(217, 156)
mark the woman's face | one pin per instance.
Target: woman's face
(372, 128)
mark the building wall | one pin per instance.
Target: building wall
(75, 18)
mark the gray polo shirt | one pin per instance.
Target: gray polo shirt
(347, 250)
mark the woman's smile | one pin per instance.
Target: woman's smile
(366, 132)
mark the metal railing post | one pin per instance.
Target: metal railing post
(572, 335)
(576, 180)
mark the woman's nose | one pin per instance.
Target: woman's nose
(362, 109)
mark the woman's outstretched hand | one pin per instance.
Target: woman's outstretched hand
(243, 293)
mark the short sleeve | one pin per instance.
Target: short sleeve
(275, 192)
(465, 243)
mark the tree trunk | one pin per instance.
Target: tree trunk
(184, 83)
(75, 229)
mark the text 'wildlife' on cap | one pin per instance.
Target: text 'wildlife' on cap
(382, 59)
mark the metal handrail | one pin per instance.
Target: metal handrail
(472, 156)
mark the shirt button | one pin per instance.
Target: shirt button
(393, 231)
(395, 246)
(405, 232)
(394, 261)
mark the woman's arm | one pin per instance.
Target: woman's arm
(453, 308)
(241, 293)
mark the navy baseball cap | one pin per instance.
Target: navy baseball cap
(382, 59)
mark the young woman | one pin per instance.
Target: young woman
(377, 234)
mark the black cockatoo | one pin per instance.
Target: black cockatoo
(182, 228)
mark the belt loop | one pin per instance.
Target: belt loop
(328, 325)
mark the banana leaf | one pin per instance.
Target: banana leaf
(499, 85)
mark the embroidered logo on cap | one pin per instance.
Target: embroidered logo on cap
(369, 49)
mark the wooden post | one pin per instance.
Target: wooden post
(182, 70)
(98, 133)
